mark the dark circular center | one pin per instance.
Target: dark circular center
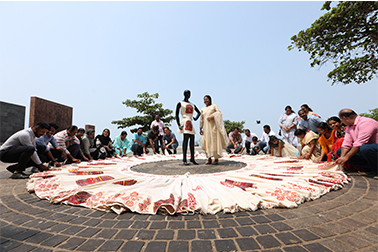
(176, 167)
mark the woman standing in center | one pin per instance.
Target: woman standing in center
(214, 137)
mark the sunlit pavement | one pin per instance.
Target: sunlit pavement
(343, 220)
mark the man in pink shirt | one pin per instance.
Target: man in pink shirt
(161, 126)
(360, 146)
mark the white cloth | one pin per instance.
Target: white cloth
(265, 182)
(265, 137)
(161, 126)
(187, 109)
(214, 138)
(286, 121)
(249, 138)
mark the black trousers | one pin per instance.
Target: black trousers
(20, 155)
(73, 149)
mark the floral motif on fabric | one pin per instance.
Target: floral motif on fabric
(332, 175)
(294, 168)
(278, 175)
(189, 109)
(316, 181)
(79, 198)
(327, 164)
(126, 182)
(159, 203)
(282, 194)
(329, 180)
(307, 188)
(188, 126)
(241, 185)
(47, 186)
(197, 188)
(143, 207)
(90, 181)
(187, 203)
(227, 184)
(286, 162)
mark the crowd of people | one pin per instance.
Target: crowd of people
(348, 139)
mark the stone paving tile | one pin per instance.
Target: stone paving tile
(72, 243)
(140, 224)
(227, 232)
(268, 241)
(145, 235)
(210, 224)
(243, 221)
(274, 217)
(288, 238)
(92, 222)
(91, 245)
(247, 244)
(176, 225)
(25, 235)
(201, 245)
(206, 234)
(111, 245)
(305, 235)
(260, 219)
(186, 234)
(22, 248)
(164, 235)
(228, 223)
(354, 241)
(132, 246)
(246, 231)
(322, 232)
(264, 229)
(280, 226)
(193, 224)
(38, 238)
(225, 245)
(106, 233)
(336, 245)
(55, 240)
(125, 234)
(107, 223)
(9, 245)
(73, 230)
(89, 232)
(123, 224)
(316, 247)
(156, 246)
(295, 249)
(178, 246)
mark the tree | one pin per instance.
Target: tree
(373, 114)
(347, 36)
(230, 126)
(147, 106)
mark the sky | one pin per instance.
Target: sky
(92, 56)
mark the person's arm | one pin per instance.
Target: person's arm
(201, 124)
(279, 148)
(152, 145)
(322, 155)
(271, 150)
(281, 122)
(312, 148)
(347, 154)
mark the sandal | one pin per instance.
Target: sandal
(208, 161)
(215, 162)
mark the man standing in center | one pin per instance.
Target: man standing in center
(161, 126)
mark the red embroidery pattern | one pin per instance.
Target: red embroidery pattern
(241, 185)
(86, 172)
(189, 109)
(264, 177)
(197, 188)
(227, 184)
(331, 175)
(188, 125)
(278, 175)
(294, 168)
(89, 181)
(320, 183)
(295, 186)
(144, 206)
(287, 161)
(282, 194)
(169, 201)
(327, 164)
(79, 198)
(125, 182)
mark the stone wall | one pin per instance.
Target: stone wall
(12, 119)
(42, 110)
(88, 126)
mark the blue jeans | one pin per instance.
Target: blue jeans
(263, 146)
(172, 146)
(366, 158)
(237, 150)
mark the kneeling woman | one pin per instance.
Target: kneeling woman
(279, 148)
(310, 147)
(104, 145)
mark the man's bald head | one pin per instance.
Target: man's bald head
(347, 116)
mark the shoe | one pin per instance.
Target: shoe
(19, 175)
(35, 170)
(208, 161)
(194, 162)
(10, 168)
(215, 162)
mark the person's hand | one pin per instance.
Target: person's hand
(85, 158)
(235, 146)
(287, 129)
(341, 160)
(307, 156)
(165, 147)
(56, 164)
(210, 118)
(75, 160)
(143, 145)
(44, 167)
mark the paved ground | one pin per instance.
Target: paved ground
(343, 220)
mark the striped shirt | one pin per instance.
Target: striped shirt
(61, 138)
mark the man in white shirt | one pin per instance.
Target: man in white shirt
(20, 148)
(161, 126)
(264, 143)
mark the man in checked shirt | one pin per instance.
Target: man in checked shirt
(63, 153)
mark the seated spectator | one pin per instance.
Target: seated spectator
(152, 139)
(254, 143)
(360, 146)
(122, 145)
(87, 145)
(235, 141)
(63, 138)
(104, 145)
(256, 150)
(247, 140)
(288, 124)
(80, 133)
(43, 150)
(264, 143)
(279, 148)
(169, 141)
(309, 122)
(20, 148)
(139, 143)
(325, 139)
(310, 147)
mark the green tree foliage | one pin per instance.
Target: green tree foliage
(230, 126)
(373, 114)
(347, 36)
(147, 106)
